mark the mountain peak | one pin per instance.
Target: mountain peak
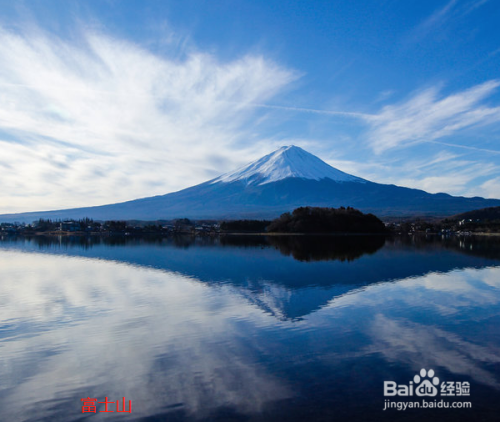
(286, 162)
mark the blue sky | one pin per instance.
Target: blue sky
(106, 101)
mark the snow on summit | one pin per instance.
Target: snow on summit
(288, 161)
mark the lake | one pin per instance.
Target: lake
(249, 328)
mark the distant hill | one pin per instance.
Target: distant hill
(483, 214)
(286, 179)
(326, 220)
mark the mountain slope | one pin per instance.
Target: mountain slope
(281, 181)
(484, 214)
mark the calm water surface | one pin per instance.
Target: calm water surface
(245, 329)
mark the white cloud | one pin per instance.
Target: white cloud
(107, 120)
(453, 185)
(443, 172)
(490, 188)
(425, 117)
(440, 172)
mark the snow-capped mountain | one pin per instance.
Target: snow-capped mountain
(281, 181)
(288, 161)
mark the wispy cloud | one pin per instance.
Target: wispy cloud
(440, 172)
(451, 12)
(473, 5)
(340, 113)
(110, 120)
(437, 17)
(427, 116)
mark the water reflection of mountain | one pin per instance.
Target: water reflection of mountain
(289, 277)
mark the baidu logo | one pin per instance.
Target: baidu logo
(426, 384)
(425, 387)
(423, 384)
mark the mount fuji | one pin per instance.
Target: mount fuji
(278, 182)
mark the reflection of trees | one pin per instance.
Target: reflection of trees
(87, 242)
(481, 246)
(302, 248)
(327, 248)
(62, 242)
(247, 241)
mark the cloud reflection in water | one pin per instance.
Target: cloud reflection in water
(74, 327)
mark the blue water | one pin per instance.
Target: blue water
(246, 329)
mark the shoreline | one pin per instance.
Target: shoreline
(222, 234)
(107, 234)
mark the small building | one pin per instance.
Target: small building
(69, 226)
